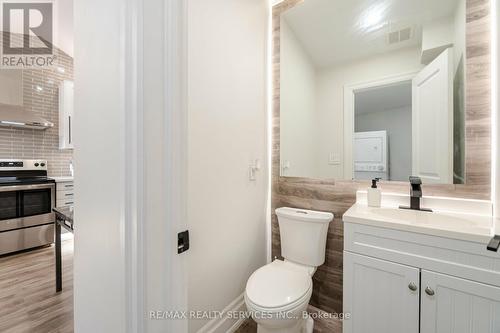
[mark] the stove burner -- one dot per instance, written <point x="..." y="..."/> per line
<point x="15" y="172"/>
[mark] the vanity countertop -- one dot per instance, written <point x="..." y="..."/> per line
<point x="468" y="227"/>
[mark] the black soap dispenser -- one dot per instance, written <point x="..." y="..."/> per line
<point x="374" y="195"/>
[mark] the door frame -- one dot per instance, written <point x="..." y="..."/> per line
<point x="349" y="95"/>
<point x="141" y="277"/>
<point x="176" y="134"/>
<point x="149" y="100"/>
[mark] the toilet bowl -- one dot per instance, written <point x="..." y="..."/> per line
<point x="277" y="294"/>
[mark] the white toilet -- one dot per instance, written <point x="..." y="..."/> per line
<point x="277" y="294"/>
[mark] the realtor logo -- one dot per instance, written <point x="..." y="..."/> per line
<point x="28" y="31"/>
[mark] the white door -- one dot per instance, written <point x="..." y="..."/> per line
<point x="381" y="296"/>
<point x="454" y="305"/>
<point x="432" y="121"/>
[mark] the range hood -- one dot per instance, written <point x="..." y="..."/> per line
<point x="16" y="116"/>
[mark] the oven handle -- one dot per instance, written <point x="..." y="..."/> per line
<point x="25" y="187"/>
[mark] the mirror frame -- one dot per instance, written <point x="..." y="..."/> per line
<point x="477" y="117"/>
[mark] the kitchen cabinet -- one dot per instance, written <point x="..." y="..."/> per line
<point x="66" y="114"/>
<point x="64" y="192"/>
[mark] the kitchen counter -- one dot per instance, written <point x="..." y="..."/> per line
<point x="62" y="179"/>
<point x="468" y="227"/>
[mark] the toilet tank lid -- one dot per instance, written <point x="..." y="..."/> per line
<point x="304" y="215"/>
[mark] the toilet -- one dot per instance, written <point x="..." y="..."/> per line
<point x="277" y="294"/>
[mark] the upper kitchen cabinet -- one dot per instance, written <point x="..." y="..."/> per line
<point x="66" y="107"/>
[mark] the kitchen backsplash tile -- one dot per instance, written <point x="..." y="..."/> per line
<point x="40" y="96"/>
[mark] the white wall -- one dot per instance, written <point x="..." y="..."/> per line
<point x="330" y="89"/>
<point x="63" y="37"/>
<point x="226" y="131"/>
<point x="298" y="138"/>
<point x="65" y="26"/>
<point x="459" y="33"/>
<point x="438" y="33"/>
<point x="397" y="123"/>
<point x="495" y="53"/>
<point x="99" y="156"/>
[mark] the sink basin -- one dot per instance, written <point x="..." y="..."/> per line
<point x="477" y="228"/>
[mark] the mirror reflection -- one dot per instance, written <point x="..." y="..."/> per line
<point x="373" y="89"/>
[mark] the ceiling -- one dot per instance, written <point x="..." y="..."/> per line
<point x="383" y="98"/>
<point x="336" y="31"/>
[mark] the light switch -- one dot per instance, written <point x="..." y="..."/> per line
<point x="253" y="168"/>
<point x="285" y="165"/>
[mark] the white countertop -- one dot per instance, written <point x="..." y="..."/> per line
<point x="468" y="227"/>
<point x="62" y="179"/>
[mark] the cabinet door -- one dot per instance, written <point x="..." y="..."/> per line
<point x="380" y="296"/>
<point x="66" y="105"/>
<point x="454" y="305"/>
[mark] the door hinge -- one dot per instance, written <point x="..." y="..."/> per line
<point x="183" y="241"/>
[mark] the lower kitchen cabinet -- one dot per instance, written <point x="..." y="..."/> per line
<point x="454" y="305"/>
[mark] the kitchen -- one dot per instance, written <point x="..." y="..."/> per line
<point x="36" y="176"/>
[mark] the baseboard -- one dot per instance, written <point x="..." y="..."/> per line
<point x="225" y="324"/>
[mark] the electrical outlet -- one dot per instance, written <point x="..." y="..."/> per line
<point x="334" y="158"/>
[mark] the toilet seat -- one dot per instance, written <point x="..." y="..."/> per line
<point x="278" y="286"/>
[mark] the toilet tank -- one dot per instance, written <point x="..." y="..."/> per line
<point x="303" y="235"/>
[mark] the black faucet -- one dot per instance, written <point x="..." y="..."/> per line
<point x="415" y="195"/>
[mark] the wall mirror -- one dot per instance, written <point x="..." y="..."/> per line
<point x="373" y="89"/>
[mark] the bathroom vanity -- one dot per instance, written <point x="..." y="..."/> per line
<point x="414" y="271"/>
<point x="336" y="126"/>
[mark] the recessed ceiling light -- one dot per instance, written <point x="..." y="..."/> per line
<point x="373" y="18"/>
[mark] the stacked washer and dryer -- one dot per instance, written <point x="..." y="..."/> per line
<point x="371" y="155"/>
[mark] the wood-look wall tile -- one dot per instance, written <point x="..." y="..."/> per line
<point x="337" y="196"/>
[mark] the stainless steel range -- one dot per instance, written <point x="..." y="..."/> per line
<point x="27" y="197"/>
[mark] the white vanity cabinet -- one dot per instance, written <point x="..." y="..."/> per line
<point x="376" y="289"/>
<point x="66" y="118"/>
<point x="400" y="281"/>
<point x="458" y="305"/>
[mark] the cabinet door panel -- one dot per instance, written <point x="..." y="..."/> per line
<point x="378" y="297"/>
<point x="458" y="305"/>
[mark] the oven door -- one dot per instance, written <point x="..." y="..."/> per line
<point x="24" y="206"/>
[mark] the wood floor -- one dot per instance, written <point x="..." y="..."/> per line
<point x="28" y="301"/>
<point x="320" y="325"/>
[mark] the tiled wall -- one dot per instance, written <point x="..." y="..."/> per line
<point x="337" y="196"/>
<point x="40" y="96"/>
